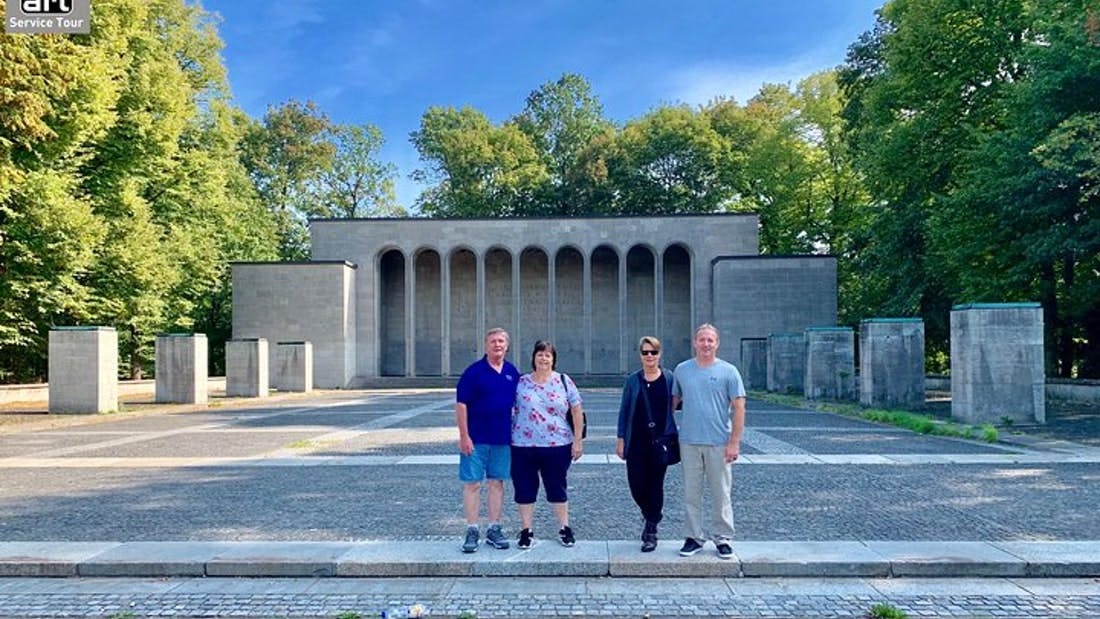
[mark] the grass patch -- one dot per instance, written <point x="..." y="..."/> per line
<point x="916" y="422"/>
<point x="886" y="611"/>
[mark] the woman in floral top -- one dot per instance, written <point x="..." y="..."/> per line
<point x="543" y="443"/>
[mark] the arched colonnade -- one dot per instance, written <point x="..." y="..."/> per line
<point x="434" y="307"/>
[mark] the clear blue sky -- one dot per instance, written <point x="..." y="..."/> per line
<point x="384" y="62"/>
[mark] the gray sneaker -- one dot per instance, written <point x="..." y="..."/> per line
<point x="472" y="539"/>
<point x="495" y="538"/>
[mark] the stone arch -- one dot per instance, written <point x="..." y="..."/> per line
<point x="428" y="310"/>
<point x="499" y="299"/>
<point x="534" y="300"/>
<point x="605" y="342"/>
<point x="641" y="293"/>
<point x="570" y="335"/>
<point x="464" y="332"/>
<point x="391" y="310"/>
<point x="678" y="304"/>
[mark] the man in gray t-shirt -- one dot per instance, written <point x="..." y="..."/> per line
<point x="713" y="399"/>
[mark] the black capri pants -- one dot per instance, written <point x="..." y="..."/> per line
<point x="551" y="463"/>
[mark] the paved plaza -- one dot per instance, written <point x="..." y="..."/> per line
<point x="348" y="501"/>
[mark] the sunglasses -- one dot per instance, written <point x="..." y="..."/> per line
<point x="650" y="353"/>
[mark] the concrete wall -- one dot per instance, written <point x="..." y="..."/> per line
<point x="830" y="363"/>
<point x="760" y="295"/>
<point x="83" y="370"/>
<point x="314" y="302"/>
<point x="786" y="362"/>
<point x="754" y="363"/>
<point x="181" y="366"/>
<point x="681" y="298"/>
<point x="891" y="362"/>
<point x="246" y="368"/>
<point x="997" y="363"/>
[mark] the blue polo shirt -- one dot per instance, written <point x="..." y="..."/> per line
<point x="489" y="397"/>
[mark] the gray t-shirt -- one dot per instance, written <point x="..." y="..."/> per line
<point x="706" y="394"/>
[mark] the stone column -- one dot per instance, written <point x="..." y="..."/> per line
<point x="246" y="368"/>
<point x="997" y="371"/>
<point x="891" y="363"/>
<point x="181" y="368"/>
<point x="83" y="370"/>
<point x="786" y="362"/>
<point x="445" y="314"/>
<point x="586" y="301"/>
<point x="479" y="261"/>
<point x="754" y="362"/>
<point x="294" y="366"/>
<point x="622" y="314"/>
<point x="410" y="316"/>
<point x="830" y="363"/>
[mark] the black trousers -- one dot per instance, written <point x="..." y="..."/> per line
<point x="646" y="477"/>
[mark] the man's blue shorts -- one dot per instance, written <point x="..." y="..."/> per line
<point x="486" y="462"/>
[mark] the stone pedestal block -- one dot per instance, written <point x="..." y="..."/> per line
<point x="786" y="362"/>
<point x="754" y="362"/>
<point x="83" y="370"/>
<point x="830" y="363"/>
<point x="997" y="370"/>
<point x="891" y="363"/>
<point x="181" y="368"/>
<point x="294" y="366"/>
<point x="246" y="369"/>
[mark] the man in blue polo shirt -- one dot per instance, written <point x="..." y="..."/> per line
<point x="483" y="412"/>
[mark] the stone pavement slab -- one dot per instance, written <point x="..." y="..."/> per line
<point x="1056" y="558"/>
<point x="947" y="559"/>
<point x="838" y="558"/>
<point x="545" y="558"/>
<point x="47" y="558"/>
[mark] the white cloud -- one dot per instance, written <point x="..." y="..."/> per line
<point x="702" y="83"/>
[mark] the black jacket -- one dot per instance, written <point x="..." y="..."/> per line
<point x="628" y="407"/>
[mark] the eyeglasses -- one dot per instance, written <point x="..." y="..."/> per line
<point x="650" y="353"/>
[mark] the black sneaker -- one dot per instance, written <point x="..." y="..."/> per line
<point x="725" y="551"/>
<point x="526" y="539"/>
<point x="649" y="542"/>
<point x="690" y="547"/>
<point x="566" y="536"/>
<point x="472" y="539"/>
<point x="495" y="538"/>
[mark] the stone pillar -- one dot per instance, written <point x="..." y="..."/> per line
<point x="891" y="363"/>
<point x="786" y="364"/>
<point x="294" y="366"/>
<point x="624" y="346"/>
<point x="246" y="368"/>
<point x="830" y="363"/>
<point x="181" y="368"/>
<point x="586" y="276"/>
<point x="83" y="370"/>
<point x="997" y="370"/>
<point x="410" y="319"/>
<point x="754" y="362"/>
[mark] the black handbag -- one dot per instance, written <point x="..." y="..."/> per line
<point x="569" y="414"/>
<point x="666" y="447"/>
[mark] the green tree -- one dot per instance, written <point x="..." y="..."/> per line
<point x="562" y="118"/>
<point x="285" y="156"/>
<point x="357" y="183"/>
<point x="478" y="170"/>
<point x="669" y="161"/>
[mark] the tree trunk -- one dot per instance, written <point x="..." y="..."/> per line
<point x="1066" y="349"/>
<point x="1048" y="297"/>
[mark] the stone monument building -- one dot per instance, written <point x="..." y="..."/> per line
<point x="412" y="297"/>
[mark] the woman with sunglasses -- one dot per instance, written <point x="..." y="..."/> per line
<point x="645" y="414"/>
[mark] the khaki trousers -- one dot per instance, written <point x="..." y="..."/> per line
<point x="706" y="464"/>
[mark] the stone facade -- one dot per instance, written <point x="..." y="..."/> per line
<point x="413" y="297"/>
